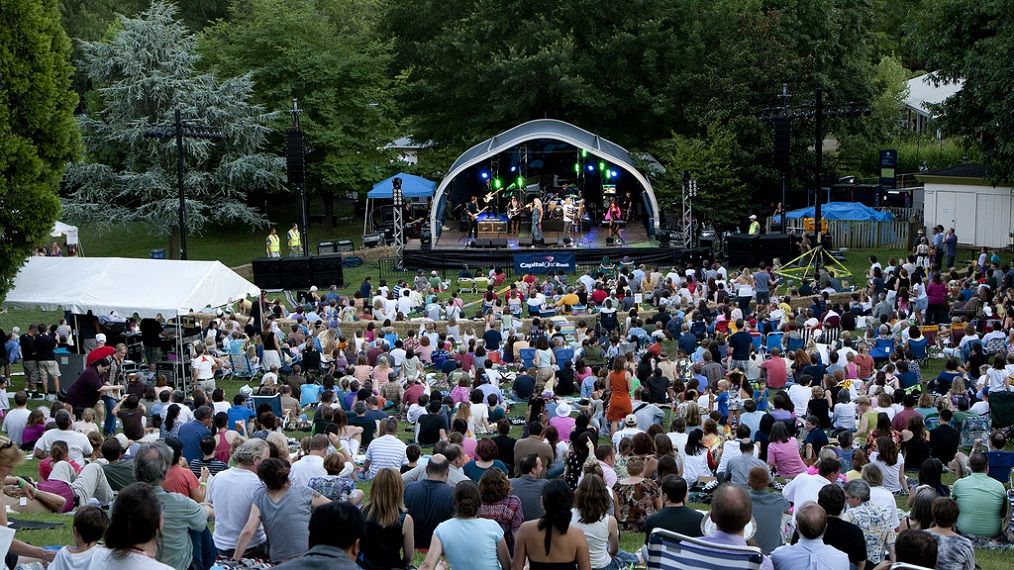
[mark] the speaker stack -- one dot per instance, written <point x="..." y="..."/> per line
<point x="294" y="156"/>
<point x="742" y="250"/>
<point x="771" y="246"/>
<point x="292" y="273"/>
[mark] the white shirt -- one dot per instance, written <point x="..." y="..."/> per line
<point x="800" y="396"/>
<point x="622" y="433"/>
<point x="103" y="559"/>
<point x="804" y="487"/>
<point x="15" y="422"/>
<point x="308" y="467"/>
<point x="203" y="366"/>
<point x="67" y="560"/>
<point x="730" y="451"/>
<point x="385" y="451"/>
<point x="232" y="493"/>
<point x="404" y="305"/>
<point x="78" y="446"/>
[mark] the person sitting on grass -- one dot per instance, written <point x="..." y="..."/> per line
<point x="90" y="524"/>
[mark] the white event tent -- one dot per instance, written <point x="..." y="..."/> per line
<point x="146" y="287"/>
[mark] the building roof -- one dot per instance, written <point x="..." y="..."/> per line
<point x="923" y="92"/>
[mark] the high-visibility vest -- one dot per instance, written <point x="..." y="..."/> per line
<point x="274" y="244"/>
<point x="755" y="227"/>
<point x="294" y="238"/>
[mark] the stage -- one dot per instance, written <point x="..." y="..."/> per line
<point x="454" y="249"/>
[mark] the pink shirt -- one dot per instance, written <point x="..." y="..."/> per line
<point x="785" y="457"/>
<point x="563" y="425"/>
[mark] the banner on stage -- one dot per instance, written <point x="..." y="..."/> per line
<point x="544" y="262"/>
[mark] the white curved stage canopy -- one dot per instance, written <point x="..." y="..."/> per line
<point x="550" y="129"/>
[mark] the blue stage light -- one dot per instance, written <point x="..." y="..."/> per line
<point x="514" y="169"/>
<point x="485" y="175"/>
<point x="591" y="168"/>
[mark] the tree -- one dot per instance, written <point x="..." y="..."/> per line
<point x="328" y="56"/>
<point x="973" y="41"/>
<point x="143" y="72"/>
<point x="37" y="130"/>
<point x="722" y="197"/>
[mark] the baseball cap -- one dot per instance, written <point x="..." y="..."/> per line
<point x="100" y="338"/>
<point x="630" y="420"/>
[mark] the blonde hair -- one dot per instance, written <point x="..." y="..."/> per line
<point x="817" y="392"/>
<point x="88" y="415"/>
<point x="10" y="455"/>
<point x="386" y="502"/>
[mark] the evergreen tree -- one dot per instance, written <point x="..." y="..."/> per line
<point x="143" y="73"/>
<point x="37" y="130"/>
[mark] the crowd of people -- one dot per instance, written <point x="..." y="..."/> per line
<point x="810" y="409"/>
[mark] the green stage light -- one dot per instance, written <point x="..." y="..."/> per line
<point x="577" y="167"/>
<point x="602" y="166"/>
<point x="584" y="153"/>
<point x="521" y="182"/>
<point x="497" y="183"/>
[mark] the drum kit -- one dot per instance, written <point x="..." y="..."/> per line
<point x="554" y="203"/>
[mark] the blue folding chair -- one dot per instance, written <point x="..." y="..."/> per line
<point x="758" y="342"/>
<point x="527" y="357"/>
<point x="773" y="340"/>
<point x="563" y="355"/>
<point x="883" y="348"/>
<point x="918" y="348"/>
<point x="275" y="401"/>
<point x="795" y="344"/>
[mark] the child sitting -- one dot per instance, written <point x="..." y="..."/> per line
<point x="89" y="525"/>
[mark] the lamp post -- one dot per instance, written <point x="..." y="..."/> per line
<point x="179" y="129"/>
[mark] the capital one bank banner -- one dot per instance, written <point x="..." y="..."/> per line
<point x="544" y="262"/>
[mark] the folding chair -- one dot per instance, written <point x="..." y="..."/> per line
<point x="1001" y="411"/>
<point x="527" y="357"/>
<point x="882" y="349"/>
<point x="758" y="342"/>
<point x="563" y="355"/>
<point x="773" y="340"/>
<point x="795" y="344"/>
<point x="275" y="401"/>
<point x="480" y="284"/>
<point x="241" y="366"/>
<point x="919" y="351"/>
<point x="466" y="285"/>
<point x="668" y="550"/>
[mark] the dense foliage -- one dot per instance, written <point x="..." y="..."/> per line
<point x="37" y="130"/>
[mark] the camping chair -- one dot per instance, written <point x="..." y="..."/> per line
<point x="919" y="351"/>
<point x="481" y="284"/>
<point x="466" y="285"/>
<point x="241" y="366"/>
<point x="275" y="401"/>
<point x="795" y="344"/>
<point x="369" y="429"/>
<point x="773" y="340"/>
<point x="668" y="550"/>
<point x="830" y="336"/>
<point x="758" y="342"/>
<point x="527" y="357"/>
<point x="883" y="348"/>
<point x="1001" y="411"/>
<point x="608" y="322"/>
<point x="975" y="428"/>
<point x="563" y="355"/>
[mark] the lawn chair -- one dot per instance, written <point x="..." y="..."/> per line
<point x="1001" y="411"/>
<point x="527" y="357"/>
<point x="466" y="285"/>
<point x="882" y="349"/>
<point x="975" y="428"/>
<point x="275" y="401"/>
<point x="773" y="340"/>
<point x="481" y="284"/>
<point x="919" y="352"/>
<point x="241" y="367"/>
<point x="563" y="355"/>
<point x="672" y="551"/>
<point x="608" y="322"/>
<point x="795" y="344"/>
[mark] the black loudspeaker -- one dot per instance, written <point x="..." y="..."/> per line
<point x="481" y="243"/>
<point x="299" y="264"/>
<point x="770" y="246"/>
<point x="742" y="250"/>
<point x="326" y="248"/>
<point x="291" y="281"/>
<point x="425" y="238"/>
<point x="498" y="243"/>
<point x="323" y="263"/>
<point x="266" y="272"/>
<point x="525" y="242"/>
<point x="325" y="279"/>
<point x="294" y="156"/>
<point x="376" y="239"/>
<point x="783" y="142"/>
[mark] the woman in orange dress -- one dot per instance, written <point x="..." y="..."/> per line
<point x="620" y="384"/>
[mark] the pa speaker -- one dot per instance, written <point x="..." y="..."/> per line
<point x="376" y="239"/>
<point x="770" y="246"/>
<point x="783" y="142"/>
<point x="266" y="273"/>
<point x="294" y="156"/>
<point x="326" y="247"/>
<point x="291" y="281"/>
<point x="326" y="279"/>
<point x="323" y="263"/>
<point x="295" y="265"/>
<point x="481" y="243"/>
<point x="498" y="243"/>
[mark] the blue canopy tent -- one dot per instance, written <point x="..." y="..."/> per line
<point x="853" y="211"/>
<point x="412" y="186"/>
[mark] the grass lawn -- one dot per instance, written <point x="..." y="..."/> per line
<point x="238" y="246"/>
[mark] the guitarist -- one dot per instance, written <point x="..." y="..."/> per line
<point x="473" y="217"/>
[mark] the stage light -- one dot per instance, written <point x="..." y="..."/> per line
<point x="602" y="166"/>
<point x="514" y="169"/>
<point x="497" y="183"/>
<point x="577" y="167"/>
<point x="584" y="153"/>
<point x="613" y="173"/>
<point x="521" y="182"/>
<point x="609" y="174"/>
<point x="485" y="175"/>
<point x="591" y="168"/>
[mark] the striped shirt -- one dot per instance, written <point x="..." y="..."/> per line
<point x="385" y="451"/>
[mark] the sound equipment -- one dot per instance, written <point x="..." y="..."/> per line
<point x="297" y="264"/>
<point x="783" y="142"/>
<point x="525" y="242"/>
<point x="344" y="245"/>
<point x="291" y="281"/>
<point x="326" y="247"/>
<point x="742" y="250"/>
<point x="481" y="243"/>
<point x="498" y="243"/>
<point x="770" y="246"/>
<point x="425" y="238"/>
<point x="327" y="271"/>
<point x="376" y="239"/>
<point x="266" y="272"/>
<point x="294" y="156"/>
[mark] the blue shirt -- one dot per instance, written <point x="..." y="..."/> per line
<point x="240" y="414"/>
<point x="721" y="538"/>
<point x="190" y="435"/>
<point x="809" y="554"/>
<point x="587" y="386"/>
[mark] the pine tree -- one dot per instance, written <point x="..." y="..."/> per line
<point x="37" y="130"/>
<point x="143" y="73"/>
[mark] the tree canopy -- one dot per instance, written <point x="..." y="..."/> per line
<point x="37" y="130"/>
<point x="143" y="73"/>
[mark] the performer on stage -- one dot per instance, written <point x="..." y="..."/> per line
<point x="473" y="217"/>
<point x="614" y="215"/>
<point x="514" y="210"/>
<point x="569" y="216"/>
<point x="537" y="221"/>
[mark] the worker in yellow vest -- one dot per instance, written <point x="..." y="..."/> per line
<point x="754" y="225"/>
<point x="295" y="245"/>
<point x="274" y="244"/>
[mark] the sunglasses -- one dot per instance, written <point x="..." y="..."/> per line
<point x="10" y="443"/>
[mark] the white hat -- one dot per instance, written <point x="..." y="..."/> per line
<point x="100" y="338"/>
<point x="245" y="390"/>
<point x="753" y="217"/>
<point x="563" y="409"/>
<point x="630" y="420"/>
<point x="313" y="289"/>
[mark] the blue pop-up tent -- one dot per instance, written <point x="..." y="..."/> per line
<point x="412" y="186"/>
<point x="853" y="211"/>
